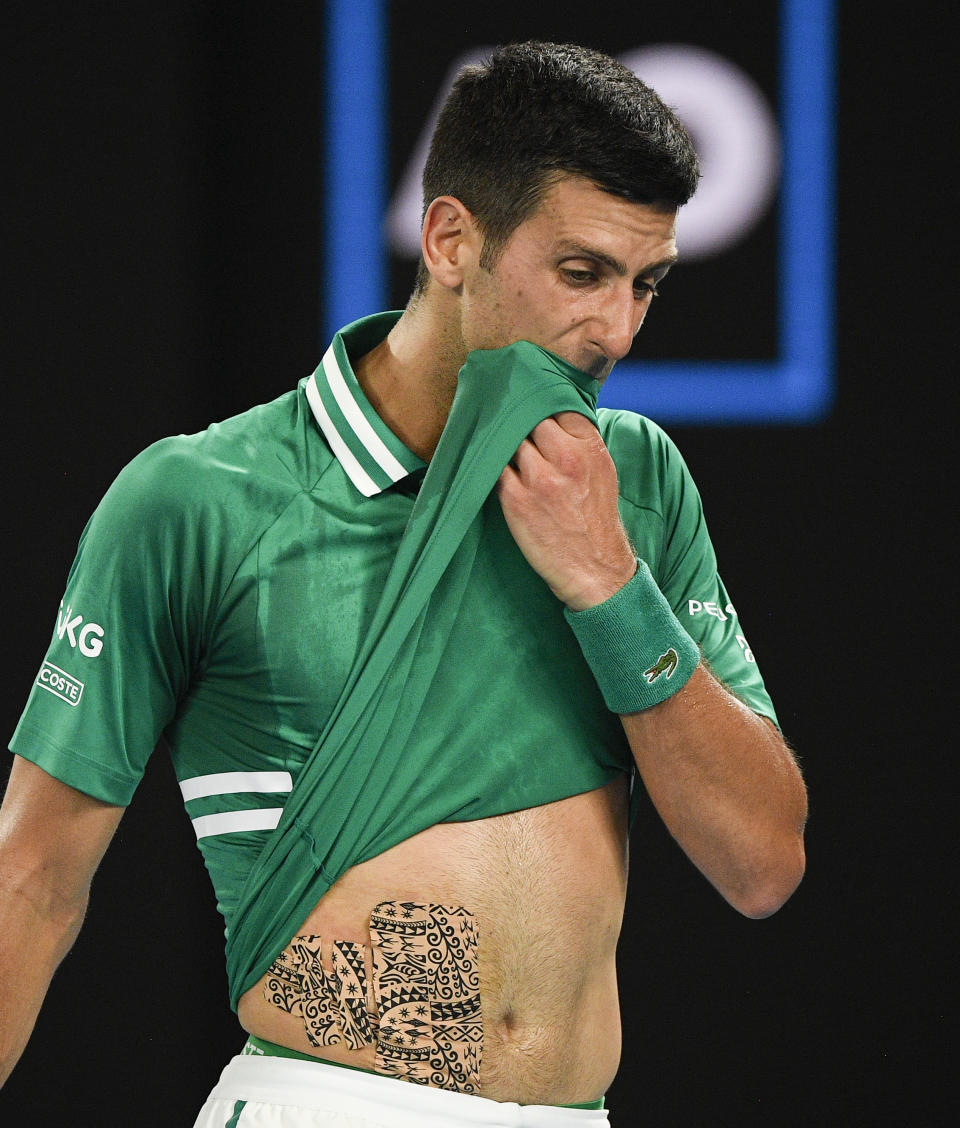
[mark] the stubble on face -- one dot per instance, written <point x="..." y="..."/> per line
<point x="525" y="294"/>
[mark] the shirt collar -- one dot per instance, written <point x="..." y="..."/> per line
<point x="371" y="455"/>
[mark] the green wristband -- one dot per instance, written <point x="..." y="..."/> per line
<point x="635" y="646"/>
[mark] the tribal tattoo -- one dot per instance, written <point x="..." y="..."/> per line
<point x="427" y="984"/>
<point x="333" y="1007"/>
<point x="425" y="1019"/>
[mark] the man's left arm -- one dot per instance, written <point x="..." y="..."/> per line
<point x="722" y="778"/>
<point x="728" y="789"/>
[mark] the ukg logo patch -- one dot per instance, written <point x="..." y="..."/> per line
<point x="87" y="638"/>
<point x="60" y="683"/>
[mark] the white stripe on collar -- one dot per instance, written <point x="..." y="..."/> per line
<point x="358" y="421"/>
<point x="355" y="472"/>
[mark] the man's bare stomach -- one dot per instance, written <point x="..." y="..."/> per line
<point x="517" y="919"/>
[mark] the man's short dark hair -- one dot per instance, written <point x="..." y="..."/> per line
<point x="535" y="112"/>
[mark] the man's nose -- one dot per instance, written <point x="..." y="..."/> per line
<point x="619" y="322"/>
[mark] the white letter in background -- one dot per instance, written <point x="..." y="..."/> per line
<point x="736" y="136"/>
<point x="728" y="117"/>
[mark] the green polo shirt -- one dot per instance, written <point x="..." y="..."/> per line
<point x="224" y="585"/>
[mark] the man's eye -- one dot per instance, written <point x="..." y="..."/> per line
<point x="646" y="289"/>
<point x="579" y="276"/>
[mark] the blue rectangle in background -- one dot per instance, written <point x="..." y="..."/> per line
<point x="797" y="387"/>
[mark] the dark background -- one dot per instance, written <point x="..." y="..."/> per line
<point x="162" y="269"/>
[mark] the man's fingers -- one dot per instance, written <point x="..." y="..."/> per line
<point x="575" y="424"/>
<point x="526" y="457"/>
<point x="550" y="435"/>
<point x="509" y="485"/>
<point x="550" y="441"/>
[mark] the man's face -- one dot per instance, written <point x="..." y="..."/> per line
<point x="577" y="277"/>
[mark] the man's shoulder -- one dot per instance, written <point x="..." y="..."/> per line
<point x="232" y="479"/>
<point x="649" y="465"/>
<point x="265" y="451"/>
<point x="628" y="429"/>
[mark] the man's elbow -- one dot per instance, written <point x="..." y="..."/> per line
<point x="774" y="882"/>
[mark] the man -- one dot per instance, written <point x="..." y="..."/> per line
<point x="405" y="715"/>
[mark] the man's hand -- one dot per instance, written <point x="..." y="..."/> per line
<point x="559" y="498"/>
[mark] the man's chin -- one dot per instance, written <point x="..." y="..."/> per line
<point x="599" y="369"/>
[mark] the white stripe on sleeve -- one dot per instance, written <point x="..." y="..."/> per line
<point x="230" y="783"/>
<point x="233" y="821"/>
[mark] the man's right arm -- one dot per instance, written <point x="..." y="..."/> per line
<point x="52" y="838"/>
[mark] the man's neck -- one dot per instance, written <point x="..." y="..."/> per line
<point x="411" y="376"/>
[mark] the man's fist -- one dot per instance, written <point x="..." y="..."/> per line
<point x="559" y="498"/>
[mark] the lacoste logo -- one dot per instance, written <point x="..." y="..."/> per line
<point x="60" y="683"/>
<point x="665" y="664"/>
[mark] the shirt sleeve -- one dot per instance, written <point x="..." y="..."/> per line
<point x="662" y="510"/>
<point x="127" y="633"/>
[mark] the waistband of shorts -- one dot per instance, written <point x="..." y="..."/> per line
<point x="317" y="1085"/>
<point x="261" y="1046"/>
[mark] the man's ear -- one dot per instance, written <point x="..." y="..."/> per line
<point x="449" y="240"/>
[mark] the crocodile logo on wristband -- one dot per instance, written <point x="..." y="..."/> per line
<point x="665" y="664"/>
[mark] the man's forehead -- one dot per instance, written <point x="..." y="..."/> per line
<point x="575" y="197"/>
<point x="574" y="212"/>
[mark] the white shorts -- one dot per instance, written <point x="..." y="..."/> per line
<point x="276" y="1092"/>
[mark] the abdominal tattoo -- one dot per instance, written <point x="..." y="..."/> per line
<point x="425" y="1019"/>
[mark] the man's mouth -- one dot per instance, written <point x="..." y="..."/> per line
<point x="599" y="368"/>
